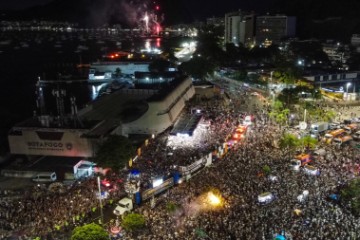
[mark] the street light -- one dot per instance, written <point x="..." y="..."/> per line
<point x="347" y="91"/>
<point x="347" y="87"/>
<point x="100" y="202"/>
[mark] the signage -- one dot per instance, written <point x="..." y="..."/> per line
<point x="47" y="145"/>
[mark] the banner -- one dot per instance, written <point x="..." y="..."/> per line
<point x="153" y="191"/>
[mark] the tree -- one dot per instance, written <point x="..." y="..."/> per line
<point x="351" y="194"/>
<point x="289" y="96"/>
<point x="266" y="169"/>
<point x="198" y="67"/>
<point x="171" y="207"/>
<point x="133" y="222"/>
<point x="90" y="231"/>
<point x="210" y="44"/>
<point x="308" y="142"/>
<point x="115" y="152"/>
<point x="289" y="142"/>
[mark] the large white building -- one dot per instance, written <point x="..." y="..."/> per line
<point x="239" y="28"/>
<point x="124" y="112"/>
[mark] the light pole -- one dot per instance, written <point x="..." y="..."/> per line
<point x="100" y="202"/>
<point x="271" y="92"/>
<point x="347" y="90"/>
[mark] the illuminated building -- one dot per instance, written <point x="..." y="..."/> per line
<point x="271" y="29"/>
<point x="239" y="28"/>
<point x="124" y="112"/>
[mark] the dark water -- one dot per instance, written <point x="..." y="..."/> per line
<point x="26" y="56"/>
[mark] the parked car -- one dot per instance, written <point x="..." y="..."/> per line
<point x="311" y="170"/>
<point x="334" y="125"/>
<point x="266" y="197"/>
<point x="320" y="152"/>
<point x="295" y="164"/>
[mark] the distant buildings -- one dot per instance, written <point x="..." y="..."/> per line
<point x="355" y="42"/>
<point x="215" y="21"/>
<point x="272" y="29"/>
<point x="248" y="29"/>
<point x="239" y="28"/>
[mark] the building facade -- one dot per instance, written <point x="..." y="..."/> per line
<point x="355" y="42"/>
<point x="272" y="29"/>
<point x="239" y="28"/>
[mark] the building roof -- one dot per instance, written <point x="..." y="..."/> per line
<point x="186" y="124"/>
<point x="124" y="105"/>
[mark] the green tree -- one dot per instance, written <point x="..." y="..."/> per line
<point x="289" y="96"/>
<point x="115" y="152"/>
<point x="308" y="142"/>
<point x="289" y="142"/>
<point x="198" y="67"/>
<point x="133" y="221"/>
<point x="351" y="194"/>
<point x="171" y="207"/>
<point x="209" y="45"/>
<point x="266" y="169"/>
<point x="281" y="117"/>
<point x="90" y="231"/>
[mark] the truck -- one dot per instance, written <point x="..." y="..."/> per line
<point x="124" y="205"/>
<point x="351" y="128"/>
<point x="333" y="134"/>
<point x="319" y="127"/>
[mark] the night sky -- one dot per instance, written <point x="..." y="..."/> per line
<point x="21" y="4"/>
<point x="193" y="7"/>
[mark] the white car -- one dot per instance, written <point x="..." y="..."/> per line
<point x="266" y="197"/>
<point x="311" y="170"/>
<point x="303" y="196"/>
<point x="295" y="164"/>
<point x="247" y="121"/>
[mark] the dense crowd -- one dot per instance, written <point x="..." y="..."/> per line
<point x="238" y="176"/>
<point x="48" y="214"/>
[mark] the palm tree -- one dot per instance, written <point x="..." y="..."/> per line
<point x="289" y="142"/>
<point x="281" y="117"/>
<point x="308" y="142"/>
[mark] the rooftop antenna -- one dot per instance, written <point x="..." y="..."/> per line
<point x="74" y="111"/>
<point x="40" y="101"/>
<point x="59" y="94"/>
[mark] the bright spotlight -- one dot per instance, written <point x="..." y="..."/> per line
<point x="213" y="199"/>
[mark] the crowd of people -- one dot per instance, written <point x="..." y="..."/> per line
<point x="51" y="214"/>
<point x="237" y="178"/>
